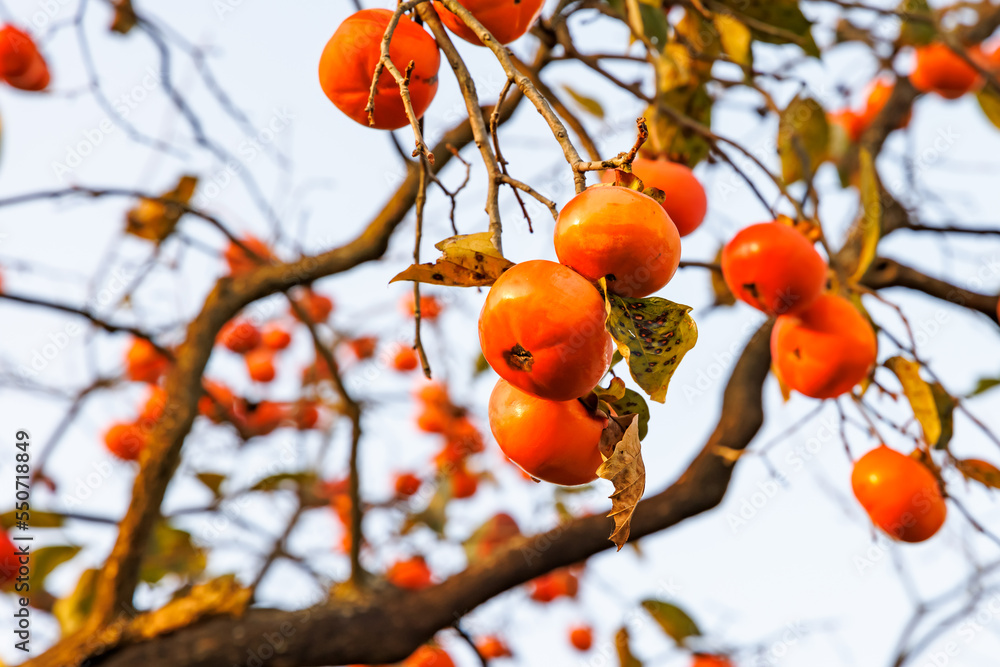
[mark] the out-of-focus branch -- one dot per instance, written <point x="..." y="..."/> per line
<point x="392" y="623"/>
<point x="886" y="272"/>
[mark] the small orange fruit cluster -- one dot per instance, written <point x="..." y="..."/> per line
<point x="462" y="439"/>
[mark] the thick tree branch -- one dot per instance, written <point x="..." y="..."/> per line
<point x="886" y="272"/>
<point x="391" y="624"/>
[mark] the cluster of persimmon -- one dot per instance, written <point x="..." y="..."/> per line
<point x="822" y="346"/>
<point x="542" y="328"/>
<point x="22" y="65"/>
<point x="349" y="60"/>
<point x="461" y="439"/>
<point x="937" y="69"/>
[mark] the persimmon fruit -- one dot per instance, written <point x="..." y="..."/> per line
<point x="363" y="347"/>
<point x="542" y="329"/>
<point x="21" y="64"/>
<point x="940" y="70"/>
<point x="824" y="350"/>
<point x="430" y="307"/>
<point x="555" y="441"/>
<point x="260" y="364"/>
<point x="240" y="336"/>
<point x="463" y="483"/>
<point x="412" y="574"/>
<point x="900" y="494"/>
<point x="9" y="559"/>
<point x="773" y="267"/>
<point x="581" y="637"/>
<point x="492" y="647"/>
<point x="621" y="234"/>
<point x="407" y="484"/>
<point x="348" y="64"/>
<point x="429" y="656"/>
<point x="707" y="660"/>
<point x="507" y="20"/>
<point x="240" y="262"/>
<point x="144" y="363"/>
<point x="405" y="359"/>
<point x="275" y="337"/>
<point x="126" y="441"/>
<point x="317" y="307"/>
<point x="685" y="203"/>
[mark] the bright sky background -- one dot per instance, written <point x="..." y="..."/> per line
<point x="786" y="583"/>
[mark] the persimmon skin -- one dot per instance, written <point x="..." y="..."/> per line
<point x="773" y="268"/>
<point x="706" y="660"/>
<point x="507" y="20"/>
<point x="900" y="494"/>
<point x="825" y="350"/>
<point x="940" y="70"/>
<point x="685" y="203"/>
<point x="22" y="66"/>
<point x="618" y="233"/>
<point x="555" y="441"/>
<point x="542" y="329"/>
<point x="350" y="57"/>
<point x="581" y="637"/>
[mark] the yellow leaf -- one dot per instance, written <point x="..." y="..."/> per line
<point x="786" y="392"/>
<point x="155" y="219"/>
<point x="669" y="139"/>
<point x="588" y="104"/>
<point x="125" y="18"/>
<point x="989" y="102"/>
<point x="72" y="611"/>
<point x="867" y="230"/>
<point x="623" y="466"/>
<point x="735" y="38"/>
<point x="223" y="595"/>
<point x="624" y="651"/>
<point x="920" y="395"/>
<point x="980" y="471"/>
<point x="723" y="295"/>
<point x="803" y="138"/>
<point x="467" y="260"/>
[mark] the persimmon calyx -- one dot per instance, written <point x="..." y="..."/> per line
<point x="519" y="358"/>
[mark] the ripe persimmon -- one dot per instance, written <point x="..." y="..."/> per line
<point x="542" y="329"/>
<point x="239" y="336"/>
<point x="505" y="19"/>
<point x="144" y="363"/>
<point x="430" y="307"/>
<point x="407" y="484"/>
<point x="707" y="660"/>
<point x="824" y="350"/>
<point x="618" y="233"/>
<point x="879" y="93"/>
<point x="260" y="364"/>
<point x="363" y="347"/>
<point x="555" y="441"/>
<point x="317" y="307"/>
<point x="405" y="359"/>
<point x="463" y="483"/>
<point x="305" y="414"/>
<point x="558" y="583"/>
<point x="126" y="440"/>
<point x="240" y="261"/>
<point x="492" y="647"/>
<point x="412" y="574"/>
<point x="266" y="417"/>
<point x="900" y="494"/>
<point x="851" y="122"/>
<point x="350" y="57"/>
<point x="940" y="70"/>
<point x="275" y="337"/>
<point x="220" y="404"/>
<point x="773" y="267"/>
<point x="9" y="558"/>
<point x="581" y="637"/>
<point x="21" y="64"/>
<point x="685" y="201"/>
<point x="429" y="656"/>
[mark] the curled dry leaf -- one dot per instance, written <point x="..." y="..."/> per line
<point x="155" y="219"/>
<point x="920" y="395"/>
<point x="623" y="466"/>
<point x="467" y="260"/>
<point x="980" y="471"/>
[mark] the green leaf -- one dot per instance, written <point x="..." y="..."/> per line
<point x="653" y="335"/>
<point x="803" y="138"/>
<point x="624" y="650"/>
<point x="916" y="32"/>
<point x="980" y="471"/>
<point x="989" y="102"/>
<point x="673" y="141"/>
<point x="46" y="559"/>
<point x="171" y="551"/>
<point x="672" y="619"/>
<point x="945" y="405"/>
<point x="654" y="22"/>
<point x="736" y="39"/>
<point x="588" y="104"/>
<point x="919" y="393"/>
<point x="467" y="260"/>
<point x="867" y="230"/>
<point x="784" y="22"/>
<point x="984" y="385"/>
<point x="39" y="519"/>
